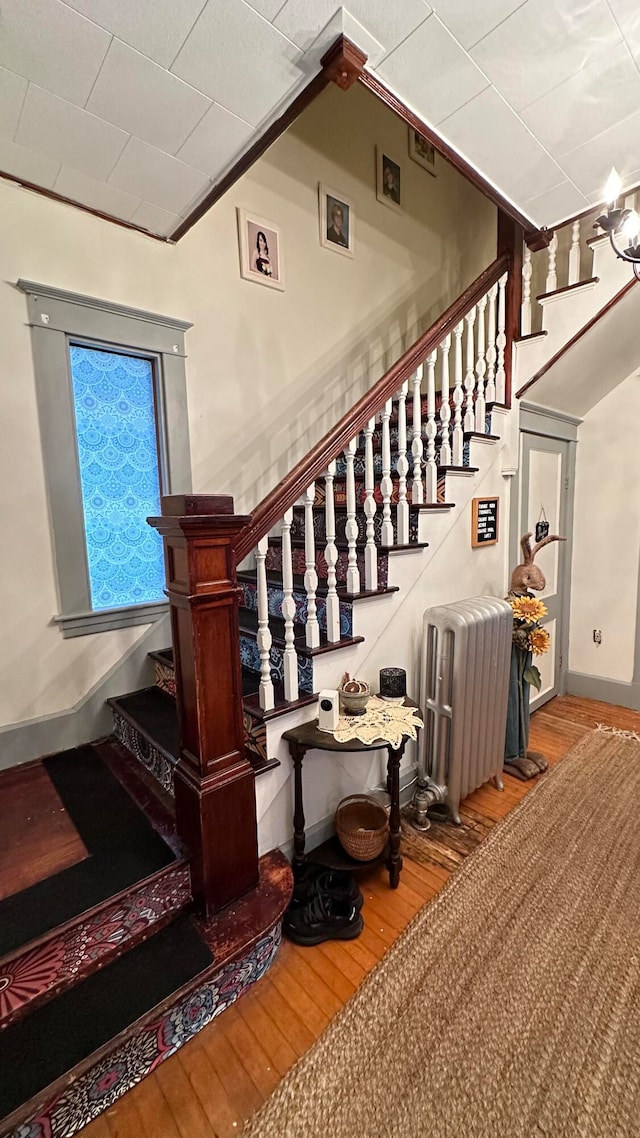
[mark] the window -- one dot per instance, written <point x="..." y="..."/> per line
<point x="113" y="420"/>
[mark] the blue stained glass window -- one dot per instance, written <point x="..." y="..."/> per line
<point x="119" y="475"/>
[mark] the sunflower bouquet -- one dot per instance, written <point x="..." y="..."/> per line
<point x="528" y="634"/>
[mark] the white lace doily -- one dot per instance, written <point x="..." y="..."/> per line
<point x="382" y="722"/>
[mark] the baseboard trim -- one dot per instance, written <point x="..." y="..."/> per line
<point x="599" y="687"/>
<point x="90" y="718"/>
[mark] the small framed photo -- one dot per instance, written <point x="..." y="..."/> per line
<point x="422" y="151"/>
<point x="337" y="221"/>
<point x="260" y="250"/>
<point x="388" y="180"/>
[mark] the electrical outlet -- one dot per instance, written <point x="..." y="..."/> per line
<point x="597" y="636"/>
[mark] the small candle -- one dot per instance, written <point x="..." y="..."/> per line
<point x="393" y="683"/>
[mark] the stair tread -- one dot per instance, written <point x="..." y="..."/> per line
<point x="275" y="578"/>
<point x="249" y="625"/>
<point x="458" y="469"/>
<point x="153" y="713"/>
<point x="298" y="543"/>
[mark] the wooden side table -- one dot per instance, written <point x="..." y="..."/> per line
<point x="308" y="737"/>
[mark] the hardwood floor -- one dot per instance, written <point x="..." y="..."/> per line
<point x="37" y="836"/>
<point x="214" y="1083"/>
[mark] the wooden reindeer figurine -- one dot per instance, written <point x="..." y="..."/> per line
<point x="519" y="761"/>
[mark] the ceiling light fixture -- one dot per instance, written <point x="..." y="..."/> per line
<point x="619" y="222"/>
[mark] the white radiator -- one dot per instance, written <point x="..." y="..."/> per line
<point x="466" y="656"/>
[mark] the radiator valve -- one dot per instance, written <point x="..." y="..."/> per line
<point x="426" y="794"/>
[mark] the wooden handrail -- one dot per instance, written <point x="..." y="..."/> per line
<point x="286" y="493"/>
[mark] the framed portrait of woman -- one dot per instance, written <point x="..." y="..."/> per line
<point x="388" y="180"/>
<point x="260" y="250"/>
<point x="337" y="221"/>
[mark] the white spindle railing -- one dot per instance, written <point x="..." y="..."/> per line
<point x="481" y="366"/>
<point x="551" y="282"/>
<point x="264" y="639"/>
<point x="431" y="470"/>
<point x="351" y="527"/>
<point x="477" y="378"/>
<point x="527" y="272"/>
<point x="470" y="374"/>
<point x="445" y="407"/>
<point x="417" y="489"/>
<point x="331" y="557"/>
<point x="370" y="550"/>
<point x="402" y="467"/>
<point x="501" y="341"/>
<point x="492" y="354"/>
<point x="312" y="629"/>
<point x="289" y="612"/>
<point x="457" y="449"/>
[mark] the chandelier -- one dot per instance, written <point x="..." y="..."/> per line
<point x="620" y="224"/>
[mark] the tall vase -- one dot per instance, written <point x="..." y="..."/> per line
<point x="517" y="738"/>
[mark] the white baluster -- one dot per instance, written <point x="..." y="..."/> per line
<point x="402" y="467"/>
<point x="351" y="527"/>
<point x="458" y="396"/>
<point x="481" y="366"/>
<point x="370" y="551"/>
<point x="312" y="629"/>
<point x="431" y="470"/>
<point x="470" y="376"/>
<point x="417" y="489"/>
<point x="386" y="485"/>
<point x="445" y="406"/>
<point x="574" y="254"/>
<point x="289" y="612"/>
<point x="263" y="639"/>
<point x="490" y="388"/>
<point x="527" y="271"/>
<point x="331" y="558"/>
<point x="551" y="282"/>
<point x="501" y="340"/>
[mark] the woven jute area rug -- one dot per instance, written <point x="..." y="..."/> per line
<point x="511" y="1004"/>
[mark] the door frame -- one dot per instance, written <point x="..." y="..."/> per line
<point x="560" y="427"/>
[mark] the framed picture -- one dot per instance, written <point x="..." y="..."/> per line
<point x="260" y="250"/>
<point x="337" y="221"/>
<point x="388" y="180"/>
<point x="422" y="152"/>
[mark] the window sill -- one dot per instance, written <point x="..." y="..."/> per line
<point x="106" y="620"/>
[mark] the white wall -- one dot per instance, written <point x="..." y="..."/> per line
<point x="606" y="537"/>
<point x="267" y="372"/>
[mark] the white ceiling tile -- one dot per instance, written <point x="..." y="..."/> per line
<point x="239" y="60"/>
<point x="359" y="35"/>
<point x="156" y="177"/>
<point x="555" y="204"/>
<point x="68" y="134"/>
<point x="542" y="44"/>
<point x="602" y="93"/>
<point x="48" y="43"/>
<point x="134" y="93"/>
<point x="432" y="71"/>
<point x="156" y="220"/>
<point x="156" y="28"/>
<point x="216" y="141"/>
<point x="589" y="165"/>
<point x="497" y="142"/>
<point x="12" y="92"/>
<point x="303" y="20"/>
<point x="469" y="22"/>
<point x="627" y="13"/>
<point x="26" y="164"/>
<point x="98" y="195"/>
<point x="266" y="8"/>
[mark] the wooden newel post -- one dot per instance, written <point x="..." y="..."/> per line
<point x="214" y="782"/>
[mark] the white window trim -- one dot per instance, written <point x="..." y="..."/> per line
<point x="55" y="318"/>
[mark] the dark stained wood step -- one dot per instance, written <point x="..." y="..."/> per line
<point x="249" y="627"/>
<point x="275" y="579"/>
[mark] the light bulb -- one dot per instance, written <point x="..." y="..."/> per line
<point x="613" y="186"/>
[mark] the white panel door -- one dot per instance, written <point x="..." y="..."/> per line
<point x="544" y="486"/>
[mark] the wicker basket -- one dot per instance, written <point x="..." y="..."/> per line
<point x="362" y="827"/>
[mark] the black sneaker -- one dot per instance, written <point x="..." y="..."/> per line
<point x="324" y="918"/>
<point x="317" y="880"/>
